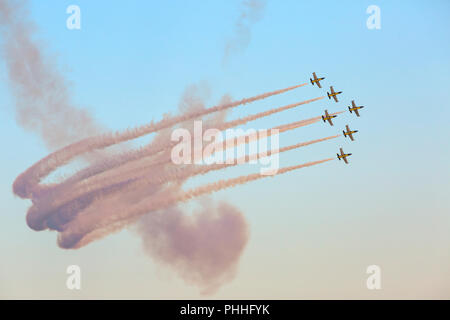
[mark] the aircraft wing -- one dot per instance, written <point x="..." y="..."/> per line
<point x="335" y="98"/>
<point x="356" y="112"/>
<point x="315" y="79"/>
<point x="329" y="120"/>
<point x="331" y="89"/>
<point x="342" y="151"/>
<point x="351" y="136"/>
<point x="353" y="104"/>
<point x="347" y="128"/>
<point x="345" y="160"/>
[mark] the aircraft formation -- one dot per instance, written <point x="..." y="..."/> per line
<point x="328" y="117"/>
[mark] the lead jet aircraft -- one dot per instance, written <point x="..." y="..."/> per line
<point x="343" y="155"/>
<point x="333" y="94"/>
<point x="355" y="108"/>
<point x="328" y="117"/>
<point x="316" y="80"/>
<point x="349" y="132"/>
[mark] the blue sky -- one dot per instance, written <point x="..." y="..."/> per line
<point x="130" y="63"/>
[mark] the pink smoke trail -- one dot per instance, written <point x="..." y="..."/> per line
<point x="162" y="145"/>
<point x="142" y="178"/>
<point x="41" y="95"/>
<point x="23" y="186"/>
<point x="85" y="230"/>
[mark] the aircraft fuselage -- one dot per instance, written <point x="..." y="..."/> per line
<point x="328" y="118"/>
<point x="345" y="155"/>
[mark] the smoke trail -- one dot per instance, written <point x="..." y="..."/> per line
<point x="223" y="184"/>
<point x="217" y="147"/>
<point x="42" y="101"/>
<point x="46" y="204"/>
<point x="220" y="146"/>
<point x="138" y="170"/>
<point x="142" y="177"/>
<point x="251" y="13"/>
<point x="23" y="188"/>
<point x="260" y="115"/>
<point x="302" y="123"/>
<point x="163" y="145"/>
<point x="110" y="204"/>
<point x="182" y="174"/>
<point x="95" y="225"/>
<point x="101" y="185"/>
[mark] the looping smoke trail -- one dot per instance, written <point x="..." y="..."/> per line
<point x="163" y="145"/>
<point x="62" y="203"/>
<point x="50" y="203"/>
<point x="24" y="189"/>
<point x="78" y="237"/>
<point x="120" y="160"/>
<point x="142" y="177"/>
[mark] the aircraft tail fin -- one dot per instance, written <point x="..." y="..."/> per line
<point x="338" y="156"/>
<point x="311" y="81"/>
<point x="328" y="95"/>
<point x="344" y="133"/>
<point x="350" y="109"/>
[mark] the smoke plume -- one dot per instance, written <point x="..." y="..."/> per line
<point x="41" y="96"/>
<point x="204" y="248"/>
<point x="252" y="12"/>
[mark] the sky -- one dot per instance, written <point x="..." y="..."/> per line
<point x="313" y="232"/>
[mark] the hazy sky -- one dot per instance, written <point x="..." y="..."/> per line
<point x="313" y="231"/>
